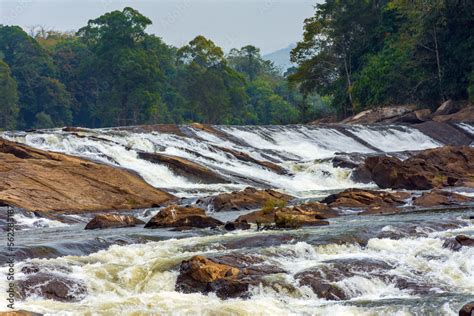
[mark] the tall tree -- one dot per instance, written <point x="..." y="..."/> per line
<point x="39" y="89"/>
<point x="8" y="98"/>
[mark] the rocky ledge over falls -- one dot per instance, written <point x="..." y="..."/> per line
<point x="428" y="169"/>
<point x="42" y="181"/>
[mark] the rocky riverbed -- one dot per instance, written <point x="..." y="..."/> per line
<point x="202" y="220"/>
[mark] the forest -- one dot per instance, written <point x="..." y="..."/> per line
<point x="354" y="55"/>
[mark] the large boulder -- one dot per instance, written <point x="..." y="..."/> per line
<point x="467" y="310"/>
<point x="380" y="114"/>
<point x="37" y="180"/>
<point x="228" y="276"/>
<point x="458" y="242"/>
<point x="309" y="214"/>
<point x="448" y="107"/>
<point x="184" y="168"/>
<point x="182" y="217"/>
<point x="369" y="201"/>
<point x="432" y="168"/>
<point x="439" y="197"/>
<point x="465" y="115"/>
<point x="248" y="199"/>
<point x="58" y="287"/>
<point x="113" y="221"/>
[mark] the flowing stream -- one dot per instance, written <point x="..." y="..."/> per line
<point x="405" y="269"/>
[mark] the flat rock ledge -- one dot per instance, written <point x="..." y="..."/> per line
<point x="37" y="180"/>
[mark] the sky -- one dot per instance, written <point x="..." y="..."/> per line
<point x="267" y="24"/>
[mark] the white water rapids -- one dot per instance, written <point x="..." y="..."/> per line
<point x="301" y="150"/>
<point x="139" y="278"/>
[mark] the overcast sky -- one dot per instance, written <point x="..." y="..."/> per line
<point x="268" y="24"/>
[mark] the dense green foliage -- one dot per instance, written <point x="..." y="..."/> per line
<point x="366" y="53"/>
<point x="112" y="72"/>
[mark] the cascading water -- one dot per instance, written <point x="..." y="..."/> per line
<point x="392" y="265"/>
<point x="303" y="151"/>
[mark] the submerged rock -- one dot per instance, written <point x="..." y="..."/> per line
<point x="37" y="180"/>
<point x="113" y="221"/>
<point x="183" y="217"/>
<point x="248" y="199"/>
<point x="467" y="310"/>
<point x="458" y="242"/>
<point x="56" y="287"/>
<point x="432" y="168"/>
<point x="439" y="197"/>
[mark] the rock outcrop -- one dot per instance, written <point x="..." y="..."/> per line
<point x="247" y="199"/>
<point x="58" y="287"/>
<point x="102" y="221"/>
<point x="182" y="217"/>
<point x="369" y="201"/>
<point x="432" y="168"/>
<point x="310" y="214"/>
<point x="467" y="310"/>
<point x="458" y="242"/>
<point x="184" y="168"/>
<point x="37" y="180"/>
<point x="440" y="198"/>
<point x="228" y="276"/>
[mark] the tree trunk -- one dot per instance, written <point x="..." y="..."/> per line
<point x="438" y="64"/>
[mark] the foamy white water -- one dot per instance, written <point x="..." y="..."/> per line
<point x="297" y="149"/>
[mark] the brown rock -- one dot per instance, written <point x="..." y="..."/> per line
<point x="358" y="198"/>
<point x="228" y="276"/>
<point x="448" y="107"/>
<point x="458" y="242"/>
<point x="380" y="115"/>
<point x="44" y="181"/>
<point x="245" y="157"/>
<point x="182" y="217"/>
<point x="467" y="310"/>
<point x="184" y="168"/>
<point x="113" y="221"/>
<point x="438" y="197"/>
<point x="432" y="168"/>
<point x="51" y="286"/>
<point x="231" y="226"/>
<point x="19" y="313"/>
<point x="465" y="115"/>
<point x="293" y="219"/>
<point x="247" y="199"/>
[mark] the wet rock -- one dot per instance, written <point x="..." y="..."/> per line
<point x="260" y="241"/>
<point x="373" y="202"/>
<point x="51" y="286"/>
<point x="102" y="221"/>
<point x="294" y="219"/>
<point x="227" y="276"/>
<point x="458" y="242"/>
<point x="184" y="168"/>
<point x="247" y="199"/>
<point x="432" y="168"/>
<point x="439" y="197"/>
<point x="231" y="226"/>
<point x="322" y="279"/>
<point x="467" y="310"/>
<point x="183" y="217"/>
<point x="245" y="157"/>
<point x="445" y="133"/>
<point x="303" y="213"/>
<point x="19" y="313"/>
<point x="37" y="180"/>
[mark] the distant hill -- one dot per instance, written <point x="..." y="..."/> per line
<point x="281" y="58"/>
